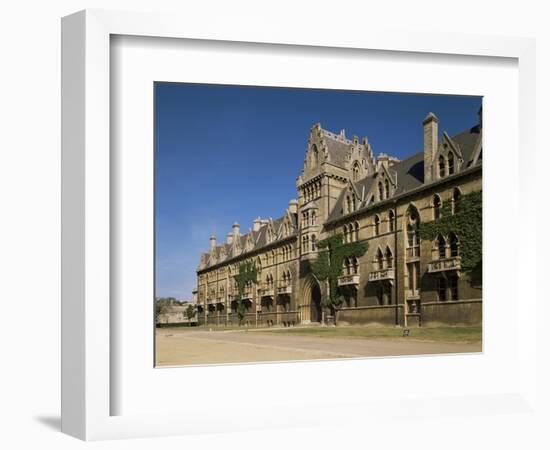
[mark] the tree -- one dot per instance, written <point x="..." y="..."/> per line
<point x="190" y="312"/>
<point x="329" y="266"/>
<point x="247" y="274"/>
<point x="161" y="307"/>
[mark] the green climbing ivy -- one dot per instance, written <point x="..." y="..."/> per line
<point x="247" y="273"/>
<point x="329" y="264"/>
<point x="466" y="223"/>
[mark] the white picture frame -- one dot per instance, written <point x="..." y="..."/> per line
<point x="88" y="325"/>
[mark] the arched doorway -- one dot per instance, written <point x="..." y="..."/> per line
<point x="310" y="301"/>
<point x="316" y="309"/>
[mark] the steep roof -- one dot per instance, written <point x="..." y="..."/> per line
<point x="259" y="238"/>
<point x="410" y="171"/>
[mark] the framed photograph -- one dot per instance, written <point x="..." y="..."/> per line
<point x="301" y="227"/>
<point x="373" y="254"/>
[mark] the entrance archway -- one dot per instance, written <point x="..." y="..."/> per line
<point x="316" y="309"/>
<point x="310" y="305"/>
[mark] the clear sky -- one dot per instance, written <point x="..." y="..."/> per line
<point x="232" y="153"/>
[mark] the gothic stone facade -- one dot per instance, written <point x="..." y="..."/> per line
<point x="343" y="188"/>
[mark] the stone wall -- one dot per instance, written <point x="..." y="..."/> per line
<point x="365" y="315"/>
<point x="461" y="312"/>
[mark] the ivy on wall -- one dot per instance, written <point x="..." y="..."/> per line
<point x="329" y="264"/>
<point x="466" y="223"/>
<point x="247" y="273"/>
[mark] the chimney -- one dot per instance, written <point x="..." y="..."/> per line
<point x="212" y="242"/>
<point x="257" y="224"/>
<point x="229" y="238"/>
<point x="430" y="144"/>
<point x="236" y="230"/>
<point x="293" y="206"/>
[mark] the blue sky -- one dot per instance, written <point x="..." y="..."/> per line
<point x="232" y="153"/>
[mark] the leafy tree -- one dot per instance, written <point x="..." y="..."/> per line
<point x="190" y="312"/>
<point x="329" y="265"/>
<point x="247" y="274"/>
<point x="161" y="307"/>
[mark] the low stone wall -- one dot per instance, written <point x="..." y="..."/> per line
<point x="460" y="312"/>
<point x="364" y="315"/>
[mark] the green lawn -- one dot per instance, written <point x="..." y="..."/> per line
<point x="449" y="334"/>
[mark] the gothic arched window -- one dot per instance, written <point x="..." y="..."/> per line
<point x="376" y="225"/>
<point x="391" y="219"/>
<point x="413" y="238"/>
<point x="354" y="265"/>
<point x="389" y="258"/>
<point x="441" y="247"/>
<point x="453" y="243"/>
<point x="437" y="206"/>
<point x="379" y="259"/>
<point x="456" y="200"/>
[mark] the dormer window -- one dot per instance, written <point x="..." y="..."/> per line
<point x="441" y="166"/>
<point x="350" y="203"/>
<point x="387" y="185"/>
<point x="451" y="163"/>
<point x="380" y="191"/>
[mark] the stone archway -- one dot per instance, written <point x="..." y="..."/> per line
<point x="310" y="307"/>
<point x="316" y="309"/>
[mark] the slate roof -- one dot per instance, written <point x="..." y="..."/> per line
<point x="259" y="239"/>
<point x="410" y="171"/>
<point x="337" y="150"/>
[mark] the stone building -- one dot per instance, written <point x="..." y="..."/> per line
<point x="400" y="280"/>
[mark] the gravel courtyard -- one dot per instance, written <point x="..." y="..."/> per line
<point x="180" y="346"/>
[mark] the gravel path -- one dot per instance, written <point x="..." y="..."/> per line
<point x="178" y="347"/>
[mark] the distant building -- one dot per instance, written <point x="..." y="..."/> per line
<point x="343" y="188"/>
<point x="176" y="315"/>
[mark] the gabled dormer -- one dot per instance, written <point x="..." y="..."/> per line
<point x="352" y="198"/>
<point x="249" y="242"/>
<point x="385" y="180"/>
<point x="270" y="233"/>
<point x="448" y="159"/>
<point x="287" y="225"/>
